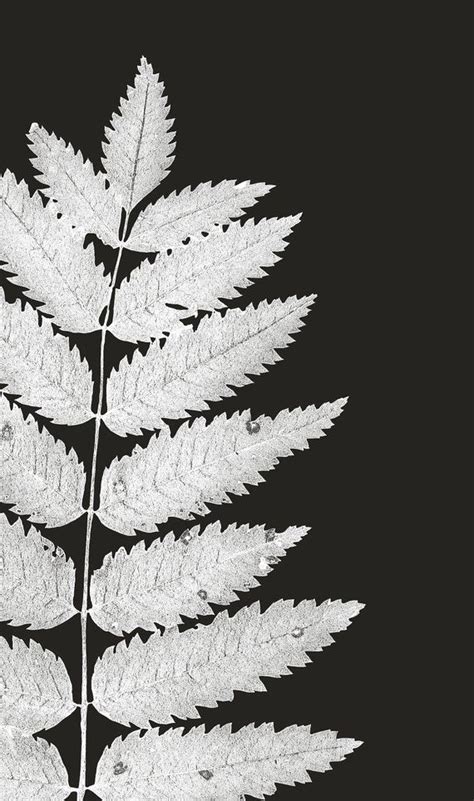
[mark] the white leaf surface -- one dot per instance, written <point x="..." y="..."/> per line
<point x="74" y="187"/>
<point x="196" y="276"/>
<point x="36" y="579"/>
<point x="35" y="688"/>
<point x="194" y="367"/>
<point x="177" y="476"/>
<point x="39" y="477"/>
<point x="49" y="260"/>
<point x="138" y="146"/>
<point x="175" y="672"/>
<point x="219" y="765"/>
<point x="41" y="368"/>
<point x="31" y="770"/>
<point x="176" y="577"/>
<point x="172" y="219"/>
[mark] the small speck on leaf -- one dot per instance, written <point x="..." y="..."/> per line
<point x="252" y="426"/>
<point x="202" y="594"/>
<point x="119" y="768"/>
<point x="297" y="632"/>
<point x="270" y="535"/>
<point x="119" y="487"/>
<point x="7" y="432"/>
<point x="206" y="774"/>
<point x="186" y="537"/>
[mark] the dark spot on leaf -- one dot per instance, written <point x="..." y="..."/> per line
<point x="186" y="537"/>
<point x="297" y="632"/>
<point x="119" y="487"/>
<point x="270" y="535"/>
<point x="7" y="432"/>
<point x="202" y="594"/>
<point x="119" y="768"/>
<point x="206" y="774"/>
<point x="252" y="426"/>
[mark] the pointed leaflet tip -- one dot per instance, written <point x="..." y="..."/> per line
<point x="145" y="67"/>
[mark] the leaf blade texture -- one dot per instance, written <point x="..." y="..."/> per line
<point x="177" y="476"/>
<point x="175" y="672"/>
<point x="139" y="144"/>
<point x="48" y="259"/>
<point x="172" y="219"/>
<point x="74" y="187"/>
<point x="36" y="579"/>
<point x="31" y="770"/>
<point x="197" y="276"/>
<point x="35" y="688"/>
<point x="219" y="765"/>
<point x="41" y="368"/>
<point x="39" y="477"/>
<point x="176" y="577"/>
<point x="194" y="367"/>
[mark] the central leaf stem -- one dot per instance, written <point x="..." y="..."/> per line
<point x="90" y="517"/>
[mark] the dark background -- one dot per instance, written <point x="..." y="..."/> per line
<point x="358" y="114"/>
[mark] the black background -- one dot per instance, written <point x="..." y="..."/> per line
<point x="358" y="114"/>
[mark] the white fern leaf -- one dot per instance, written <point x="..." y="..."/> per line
<point x="41" y="368"/>
<point x="39" y="477"/>
<point x="173" y="673"/>
<point x="172" y="219"/>
<point x="36" y="579"/>
<point x="180" y="577"/>
<point x="196" y="276"/>
<point x="219" y="765"/>
<point x="177" y="476"/>
<point x="31" y="770"/>
<point x="139" y="143"/>
<point x="196" y="366"/>
<point x="49" y="260"/>
<point x="35" y="688"/>
<point x="74" y="187"/>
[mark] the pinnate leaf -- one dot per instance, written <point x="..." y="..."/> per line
<point x="31" y="770"/>
<point x="176" y="577"/>
<point x="172" y="219"/>
<point x="35" y="688"/>
<point x="219" y="765"/>
<point x="48" y="259"/>
<point x="74" y="187"/>
<point x="36" y="579"/>
<point x="39" y="478"/>
<point x="41" y="368"/>
<point x="196" y="366"/>
<point x="173" y="673"/>
<point x="196" y="276"/>
<point x="138" y="146"/>
<point x="178" y="476"/>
